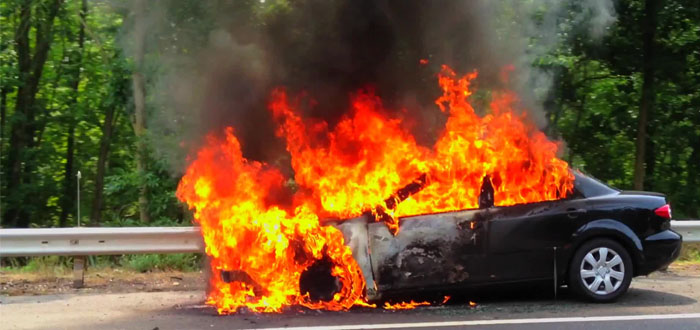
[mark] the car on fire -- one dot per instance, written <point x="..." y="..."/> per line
<point x="594" y="241"/>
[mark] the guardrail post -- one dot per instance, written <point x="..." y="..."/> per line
<point x="79" y="266"/>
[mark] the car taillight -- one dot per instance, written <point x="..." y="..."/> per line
<point x="664" y="211"/>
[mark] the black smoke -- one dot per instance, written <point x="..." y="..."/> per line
<point x="220" y="59"/>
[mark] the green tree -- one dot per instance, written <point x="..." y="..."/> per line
<point x="30" y="61"/>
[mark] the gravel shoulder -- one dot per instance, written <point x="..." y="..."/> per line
<point x="100" y="281"/>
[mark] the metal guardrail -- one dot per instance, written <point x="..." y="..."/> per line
<point x="690" y="229"/>
<point x="139" y="240"/>
<point x="83" y="241"/>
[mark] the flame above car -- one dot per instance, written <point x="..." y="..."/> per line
<point x="355" y="167"/>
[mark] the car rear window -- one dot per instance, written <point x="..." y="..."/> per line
<point x="589" y="187"/>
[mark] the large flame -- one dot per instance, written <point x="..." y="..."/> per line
<point x="360" y="165"/>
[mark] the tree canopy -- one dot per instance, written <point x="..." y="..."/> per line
<point x="82" y="89"/>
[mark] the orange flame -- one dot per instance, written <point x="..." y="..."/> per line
<point x="405" y="305"/>
<point x="347" y="170"/>
<point x="242" y="231"/>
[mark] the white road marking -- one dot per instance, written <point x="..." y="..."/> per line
<point x="497" y="322"/>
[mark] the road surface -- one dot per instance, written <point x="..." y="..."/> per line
<point x="663" y="300"/>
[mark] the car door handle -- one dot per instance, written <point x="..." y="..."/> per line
<point x="575" y="213"/>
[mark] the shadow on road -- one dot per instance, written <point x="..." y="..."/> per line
<point x="645" y="297"/>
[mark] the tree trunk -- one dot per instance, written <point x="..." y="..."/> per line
<point x="3" y="113"/>
<point x="69" y="180"/>
<point x="693" y="176"/>
<point x="69" y="186"/>
<point x="139" y="121"/>
<point x="646" y="104"/>
<point x="17" y="139"/>
<point x="649" y="160"/>
<point x="96" y="212"/>
<point x="19" y="160"/>
<point x="577" y="123"/>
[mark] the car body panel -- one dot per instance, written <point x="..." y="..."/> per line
<point x="523" y="238"/>
<point x="660" y="250"/>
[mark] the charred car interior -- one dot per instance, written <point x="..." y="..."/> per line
<point x="594" y="241"/>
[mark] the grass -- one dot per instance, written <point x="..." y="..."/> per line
<point x="150" y="262"/>
<point x="690" y="253"/>
<point x="56" y="265"/>
<point x="48" y="266"/>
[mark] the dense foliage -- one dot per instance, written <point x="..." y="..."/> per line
<point x="75" y="95"/>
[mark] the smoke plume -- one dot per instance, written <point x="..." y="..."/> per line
<point x="214" y="63"/>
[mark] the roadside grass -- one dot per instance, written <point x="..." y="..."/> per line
<point x="141" y="263"/>
<point x="186" y="262"/>
<point x="45" y="266"/>
<point x="690" y="253"/>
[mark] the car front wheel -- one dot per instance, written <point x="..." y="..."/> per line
<point x="600" y="271"/>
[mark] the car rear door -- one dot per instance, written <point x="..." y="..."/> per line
<point x="523" y="239"/>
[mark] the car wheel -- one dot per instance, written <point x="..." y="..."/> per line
<point x="601" y="270"/>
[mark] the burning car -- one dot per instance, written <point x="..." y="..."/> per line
<point x="370" y="211"/>
<point x="595" y="240"/>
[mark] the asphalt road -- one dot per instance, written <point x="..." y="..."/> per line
<point x="668" y="301"/>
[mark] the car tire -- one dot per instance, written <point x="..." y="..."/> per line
<point x="600" y="270"/>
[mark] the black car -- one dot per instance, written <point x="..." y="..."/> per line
<point x="594" y="241"/>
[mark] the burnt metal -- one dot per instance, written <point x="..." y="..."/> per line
<point x="415" y="186"/>
<point x="355" y="236"/>
<point x="380" y="214"/>
<point x="429" y="250"/>
<point x="486" y="193"/>
<point x="230" y="276"/>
